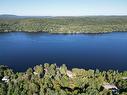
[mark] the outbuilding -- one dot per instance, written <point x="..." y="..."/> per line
<point x="111" y="87"/>
<point x="5" y="78"/>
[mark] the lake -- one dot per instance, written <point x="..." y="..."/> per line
<point x="20" y="50"/>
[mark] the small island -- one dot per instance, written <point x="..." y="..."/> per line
<point x="50" y="79"/>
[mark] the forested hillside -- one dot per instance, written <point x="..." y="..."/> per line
<point x="91" y="24"/>
<point x="49" y="79"/>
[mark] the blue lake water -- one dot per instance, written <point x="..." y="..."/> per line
<point x="20" y="50"/>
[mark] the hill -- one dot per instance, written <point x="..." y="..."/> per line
<point x="13" y="17"/>
<point x="81" y="24"/>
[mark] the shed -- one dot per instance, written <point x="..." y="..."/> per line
<point x="5" y="78"/>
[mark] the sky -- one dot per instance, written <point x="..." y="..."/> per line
<point x="63" y="7"/>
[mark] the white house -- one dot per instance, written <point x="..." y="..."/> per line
<point x="35" y="73"/>
<point x="5" y="78"/>
<point x="70" y="74"/>
<point x="124" y="78"/>
<point x="109" y="86"/>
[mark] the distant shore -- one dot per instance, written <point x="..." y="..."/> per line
<point x="65" y="25"/>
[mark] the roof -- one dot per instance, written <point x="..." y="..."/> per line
<point x="109" y="86"/>
<point x="46" y="69"/>
<point x="5" y="78"/>
<point x="35" y="73"/>
<point x="124" y="78"/>
<point x="69" y="74"/>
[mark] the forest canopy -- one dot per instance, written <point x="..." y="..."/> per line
<point x="49" y="79"/>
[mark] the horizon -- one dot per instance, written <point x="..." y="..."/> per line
<point x="57" y="15"/>
<point x="64" y="8"/>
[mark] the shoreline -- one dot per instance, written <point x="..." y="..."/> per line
<point x="49" y="78"/>
<point x="73" y="33"/>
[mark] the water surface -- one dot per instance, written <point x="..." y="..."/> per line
<point x="21" y="50"/>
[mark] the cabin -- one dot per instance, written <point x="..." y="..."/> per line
<point x="46" y="70"/>
<point x="111" y="87"/>
<point x="5" y="78"/>
<point x="70" y="74"/>
<point x="38" y="74"/>
<point x="124" y="78"/>
<point x="35" y="73"/>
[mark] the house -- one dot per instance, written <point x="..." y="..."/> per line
<point x="5" y="78"/>
<point x="70" y="74"/>
<point x="111" y="87"/>
<point x="35" y="73"/>
<point x="124" y="78"/>
<point x="46" y="69"/>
